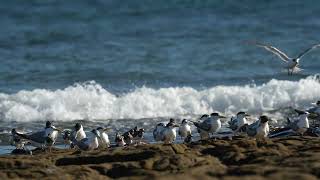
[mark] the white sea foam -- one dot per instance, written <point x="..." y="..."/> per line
<point x="91" y="101"/>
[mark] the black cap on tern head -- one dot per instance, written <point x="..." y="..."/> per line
<point x="48" y="124"/>
<point x="318" y="103"/>
<point x="204" y="116"/>
<point x="99" y="128"/>
<point x="264" y="119"/>
<point x="184" y="121"/>
<point x="172" y="120"/>
<point x="13" y="131"/>
<point x="214" y="114"/>
<point x="77" y="126"/>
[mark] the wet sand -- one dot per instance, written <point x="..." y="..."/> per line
<point x="240" y="158"/>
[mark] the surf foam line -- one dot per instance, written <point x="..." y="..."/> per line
<point x="91" y="101"/>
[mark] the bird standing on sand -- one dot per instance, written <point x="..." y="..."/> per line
<point x="291" y="63"/>
<point x="88" y="143"/>
<point x="46" y="137"/>
<point x="212" y="124"/>
<point x="185" y="131"/>
<point x="104" y="140"/>
<point x="259" y="129"/>
<point x="78" y="132"/>
<point x="203" y="133"/>
<point x="157" y="132"/>
<point x="237" y="123"/>
<point x="169" y="133"/>
<point x="300" y="125"/>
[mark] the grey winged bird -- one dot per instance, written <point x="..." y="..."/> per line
<point x="300" y="125"/>
<point x="88" y="143"/>
<point x="46" y="137"/>
<point x="157" y="135"/>
<point x="259" y="129"/>
<point x="211" y="124"/>
<point x="291" y="63"/>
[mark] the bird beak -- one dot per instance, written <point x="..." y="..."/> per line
<point x="222" y="116"/>
<point x="246" y="115"/>
<point x="176" y="125"/>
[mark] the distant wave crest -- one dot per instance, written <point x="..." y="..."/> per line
<point x="91" y="101"/>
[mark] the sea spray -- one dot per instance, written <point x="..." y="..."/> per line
<point x="90" y="101"/>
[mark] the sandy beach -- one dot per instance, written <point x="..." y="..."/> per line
<point x="240" y="158"/>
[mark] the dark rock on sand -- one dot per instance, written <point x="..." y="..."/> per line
<point x="240" y="158"/>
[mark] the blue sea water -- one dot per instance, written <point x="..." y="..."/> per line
<point x="122" y="63"/>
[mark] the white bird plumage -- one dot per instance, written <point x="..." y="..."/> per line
<point x="300" y="125"/>
<point x="104" y="140"/>
<point x="291" y="63"/>
<point x="184" y="129"/>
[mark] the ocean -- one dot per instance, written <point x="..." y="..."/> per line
<point x="124" y="63"/>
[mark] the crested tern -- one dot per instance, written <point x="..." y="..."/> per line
<point x="104" y="140"/>
<point x="157" y="135"/>
<point x="88" y="143"/>
<point x="46" y="137"/>
<point x="169" y="133"/>
<point x="292" y="64"/>
<point x="211" y="124"/>
<point x="301" y="124"/>
<point x="259" y="129"/>
<point x="238" y="123"/>
<point x="185" y="131"/>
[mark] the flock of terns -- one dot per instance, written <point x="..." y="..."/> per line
<point x="207" y="126"/>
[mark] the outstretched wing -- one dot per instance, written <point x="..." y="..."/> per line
<point x="274" y="50"/>
<point x="307" y="50"/>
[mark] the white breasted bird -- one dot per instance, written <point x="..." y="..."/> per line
<point x="185" y="131"/>
<point x="292" y="64"/>
<point x="237" y="123"/>
<point x="78" y="132"/>
<point x="46" y="137"/>
<point x="104" y="140"/>
<point x="157" y="135"/>
<point x="169" y="133"/>
<point x="300" y="125"/>
<point x="203" y="133"/>
<point x="212" y="124"/>
<point x="259" y="129"/>
<point x="88" y="143"/>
